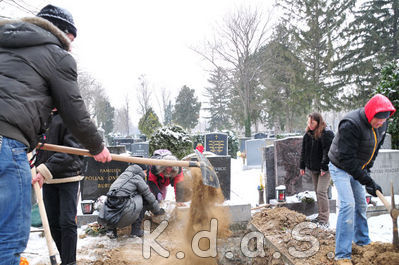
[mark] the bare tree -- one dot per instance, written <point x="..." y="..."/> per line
<point x="238" y="39"/>
<point x="143" y="95"/>
<point x="122" y="118"/>
<point x="163" y="101"/>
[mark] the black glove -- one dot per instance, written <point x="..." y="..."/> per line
<point x="365" y="179"/>
<point x="372" y="188"/>
<point x="160" y="212"/>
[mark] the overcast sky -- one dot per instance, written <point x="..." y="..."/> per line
<point x="117" y="41"/>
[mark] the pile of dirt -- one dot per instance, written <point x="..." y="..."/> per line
<point x="304" y="244"/>
<point x="178" y="235"/>
<point x="277" y="220"/>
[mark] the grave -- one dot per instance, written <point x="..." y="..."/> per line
<point x="287" y="153"/>
<point x="117" y="149"/>
<point x="254" y="152"/>
<point x="216" y="143"/>
<point x="99" y="177"/>
<point x="270" y="172"/>
<point x="140" y="149"/>
<point x="260" y="135"/>
<point x="386" y="170"/>
<point x="387" y="142"/>
<point x="222" y="166"/>
<point x="242" y="143"/>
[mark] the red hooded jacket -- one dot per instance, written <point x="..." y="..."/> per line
<point x="378" y="103"/>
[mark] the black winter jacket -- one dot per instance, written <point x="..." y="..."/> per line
<point x="60" y="165"/>
<point x="314" y="154"/>
<point x="37" y="74"/>
<point x="356" y="144"/>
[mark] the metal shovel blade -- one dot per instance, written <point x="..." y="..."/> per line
<point x="209" y="176"/>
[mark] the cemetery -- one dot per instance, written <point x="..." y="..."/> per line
<point x="280" y="199"/>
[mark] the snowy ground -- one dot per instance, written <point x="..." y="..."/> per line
<point x="244" y="185"/>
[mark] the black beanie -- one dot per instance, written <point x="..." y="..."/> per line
<point x="382" y="115"/>
<point x="60" y="17"/>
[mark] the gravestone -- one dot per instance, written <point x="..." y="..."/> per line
<point x="222" y="166"/>
<point x="242" y="143"/>
<point x="287" y="154"/>
<point x="140" y="149"/>
<point x="216" y="143"/>
<point x="254" y="152"/>
<point x="99" y="177"/>
<point x="117" y="149"/>
<point x="270" y="172"/>
<point x="387" y="142"/>
<point x="260" y="135"/>
<point x="386" y="170"/>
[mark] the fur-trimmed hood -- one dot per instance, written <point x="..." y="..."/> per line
<point x="31" y="31"/>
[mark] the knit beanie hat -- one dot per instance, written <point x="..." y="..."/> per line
<point x="383" y="115"/>
<point x="60" y="17"/>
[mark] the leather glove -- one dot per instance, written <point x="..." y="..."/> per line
<point x="372" y="188"/>
<point x="160" y="212"/>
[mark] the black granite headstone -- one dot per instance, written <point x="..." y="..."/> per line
<point x="216" y="143"/>
<point x="287" y="155"/>
<point x="140" y="149"/>
<point x="270" y="175"/>
<point x="260" y="135"/>
<point x="99" y="177"/>
<point x="222" y="166"/>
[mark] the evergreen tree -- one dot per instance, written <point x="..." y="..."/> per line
<point x="389" y="86"/>
<point x="187" y="108"/>
<point x="168" y="113"/>
<point x="218" y="94"/>
<point x="372" y="42"/>
<point x="149" y="123"/>
<point x="105" y="114"/>
<point x="318" y="25"/>
<point x="287" y="91"/>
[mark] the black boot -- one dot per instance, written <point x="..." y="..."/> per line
<point x="136" y="229"/>
<point x="136" y="226"/>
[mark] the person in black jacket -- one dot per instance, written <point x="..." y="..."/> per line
<point x="352" y="153"/>
<point x="314" y="162"/>
<point x="62" y="173"/>
<point x="37" y="73"/>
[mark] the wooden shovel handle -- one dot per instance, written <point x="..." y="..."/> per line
<point x="129" y="159"/>
<point x="384" y="201"/>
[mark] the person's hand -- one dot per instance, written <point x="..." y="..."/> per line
<point x="160" y="212"/>
<point x="372" y="188"/>
<point x="322" y="173"/>
<point x="302" y="172"/>
<point x="104" y="156"/>
<point x="159" y="197"/>
<point x="39" y="178"/>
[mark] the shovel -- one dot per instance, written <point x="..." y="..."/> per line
<point x="43" y="216"/>
<point x="209" y="176"/>
<point x="394" y="215"/>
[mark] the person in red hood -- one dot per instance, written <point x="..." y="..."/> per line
<point x="160" y="177"/>
<point x="352" y="153"/>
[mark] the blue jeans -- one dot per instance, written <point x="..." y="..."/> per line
<point x="352" y="220"/>
<point x="15" y="200"/>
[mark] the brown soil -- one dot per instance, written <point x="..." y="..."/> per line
<point x="177" y="236"/>
<point x="277" y="225"/>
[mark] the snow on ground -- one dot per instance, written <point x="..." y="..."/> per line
<point x="244" y="185"/>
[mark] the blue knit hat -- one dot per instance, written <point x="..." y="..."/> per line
<point x="60" y="17"/>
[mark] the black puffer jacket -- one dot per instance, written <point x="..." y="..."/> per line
<point x="314" y="154"/>
<point x="60" y="165"/>
<point x="37" y="74"/>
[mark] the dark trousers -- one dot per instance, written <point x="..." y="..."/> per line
<point x="60" y="201"/>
